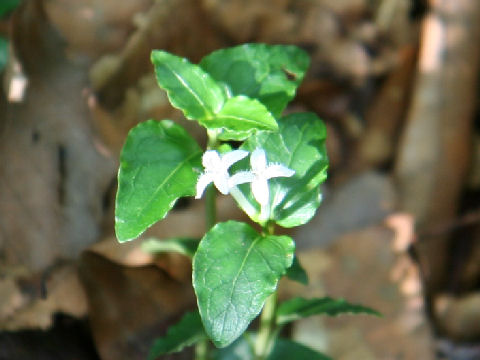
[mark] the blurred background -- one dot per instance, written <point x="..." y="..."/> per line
<point x="399" y="228"/>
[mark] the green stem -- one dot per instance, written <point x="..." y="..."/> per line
<point x="212" y="142"/>
<point x="267" y="330"/>
<point x="264" y="340"/>
<point x="201" y="348"/>
<point x="210" y="207"/>
<point x="243" y="201"/>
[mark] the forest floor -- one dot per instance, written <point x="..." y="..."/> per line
<point x="395" y="82"/>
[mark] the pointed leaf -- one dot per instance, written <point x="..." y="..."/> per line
<point x="234" y="270"/>
<point x="299" y="145"/>
<point x="297" y="273"/>
<point x="298" y="308"/>
<point x="268" y="73"/>
<point x="241" y="117"/>
<point x="184" y="246"/>
<point x="159" y="163"/>
<point x="189" y="88"/>
<point x="285" y="349"/>
<point x="188" y="331"/>
<point x="198" y="95"/>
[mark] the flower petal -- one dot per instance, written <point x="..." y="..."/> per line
<point x="278" y="170"/>
<point x="211" y="160"/>
<point x="260" y="190"/>
<point x="202" y="183"/>
<point x="221" y="182"/>
<point x="230" y="158"/>
<point x="258" y="161"/>
<point x="241" y="177"/>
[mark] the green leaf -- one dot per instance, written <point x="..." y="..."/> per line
<point x="189" y="88"/>
<point x="285" y="349"/>
<point x="7" y="6"/>
<point x="298" y="308"/>
<point x="240" y="349"/>
<point x="184" y="246"/>
<point x="159" y="163"/>
<point x="188" y="331"/>
<point x="269" y="73"/>
<point x="299" y="145"/>
<point x="241" y="117"/>
<point x="297" y="273"/>
<point x="198" y="95"/>
<point x="4" y="52"/>
<point x="234" y="270"/>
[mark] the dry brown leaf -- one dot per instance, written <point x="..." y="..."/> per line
<point x="63" y="293"/>
<point x="458" y="317"/>
<point x="52" y="179"/>
<point x="93" y="27"/>
<point x="130" y="306"/>
<point x="357" y="267"/>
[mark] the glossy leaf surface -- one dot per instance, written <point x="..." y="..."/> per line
<point x="269" y="73"/>
<point x="241" y="116"/>
<point x="189" y="88"/>
<point x="159" y="163"/>
<point x="234" y="270"/>
<point x="298" y="308"/>
<point x="299" y="145"/>
<point x="187" y="332"/>
<point x="201" y="98"/>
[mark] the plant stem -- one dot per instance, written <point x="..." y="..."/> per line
<point x="201" y="348"/>
<point x="242" y="200"/>
<point x="212" y="142"/>
<point x="267" y="332"/>
<point x="210" y="207"/>
<point x="264" y="340"/>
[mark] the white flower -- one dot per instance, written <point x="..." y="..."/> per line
<point x="259" y="176"/>
<point x="216" y="170"/>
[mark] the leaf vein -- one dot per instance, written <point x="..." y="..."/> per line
<point x="187" y="86"/>
<point x="160" y="186"/>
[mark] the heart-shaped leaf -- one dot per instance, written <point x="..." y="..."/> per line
<point x="269" y="73"/>
<point x="235" y="269"/>
<point x="159" y="163"/>
<point x="299" y="145"/>
<point x="298" y="308"/>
